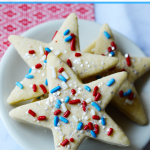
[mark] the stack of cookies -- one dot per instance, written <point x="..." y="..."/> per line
<point x="70" y="89"/>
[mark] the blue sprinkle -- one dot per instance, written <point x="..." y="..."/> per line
<point x="98" y="77"/>
<point x="66" y="32"/>
<point x="30" y="70"/>
<point x="96" y="106"/>
<point x="103" y="121"/>
<point x="127" y="93"/>
<point x="57" y="106"/>
<point x="62" y="78"/>
<point x="87" y="88"/>
<point x="112" y="53"/>
<point x="80" y="125"/>
<point x="58" y="102"/>
<point x="46" y="82"/>
<point x="19" y="84"/>
<point x="39" y="97"/>
<point x="47" y="49"/>
<point x="56" y="121"/>
<point x="63" y="119"/>
<point x="55" y="89"/>
<point x="110" y="82"/>
<point x="106" y="34"/>
<point x="29" y="76"/>
<point x="45" y="61"/>
<point x="93" y="134"/>
<point x="69" y="38"/>
<point x="66" y="99"/>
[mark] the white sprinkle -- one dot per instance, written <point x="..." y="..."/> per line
<point x="57" y="53"/>
<point x="126" y="55"/>
<point x="88" y="100"/>
<point x="30" y="85"/>
<point x="68" y="146"/>
<point x="81" y="65"/>
<point x="51" y="48"/>
<point x="112" y="48"/>
<point x="64" y="107"/>
<point x="41" y="50"/>
<point x="65" y="86"/>
<point x="53" y="71"/>
<point x="110" y="55"/>
<point x="92" y="112"/>
<point x="43" y="58"/>
<point x="43" y="74"/>
<point x="27" y="113"/>
<point x="65" y="75"/>
<point x="86" y="117"/>
<point x="130" y="102"/>
<point x="75" y="118"/>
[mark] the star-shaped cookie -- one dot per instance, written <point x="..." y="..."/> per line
<point x="65" y="44"/>
<point x="71" y="111"/>
<point x="127" y="99"/>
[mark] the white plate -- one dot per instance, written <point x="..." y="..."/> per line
<point x="31" y="137"/>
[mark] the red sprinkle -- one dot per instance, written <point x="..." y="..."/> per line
<point x="34" y="87"/>
<point x="43" y="88"/>
<point x="84" y="105"/>
<point x="31" y="52"/>
<point x="69" y="63"/>
<point x="72" y="44"/>
<point x="71" y="139"/>
<point x="75" y="101"/>
<point x="77" y="54"/>
<point x="98" y="95"/>
<point x="109" y="49"/>
<point x="103" y="54"/>
<point x="57" y="112"/>
<point x="94" y="93"/>
<point x="123" y="69"/>
<point x="65" y="142"/>
<point x="73" y="36"/>
<point x="128" y="60"/>
<point x="95" y="88"/>
<point x="60" y="70"/>
<point x="37" y="66"/>
<point x="96" y="117"/>
<point x="54" y="35"/>
<point x="40" y="118"/>
<point x="90" y="125"/>
<point x="113" y="44"/>
<point x="31" y="112"/>
<point x="46" y="53"/>
<point x="86" y="127"/>
<point x="96" y="128"/>
<point x="131" y="96"/>
<point x="66" y="114"/>
<point x="73" y="91"/>
<point x="121" y="93"/>
<point x="110" y="131"/>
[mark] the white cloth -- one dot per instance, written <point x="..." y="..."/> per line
<point x="132" y="20"/>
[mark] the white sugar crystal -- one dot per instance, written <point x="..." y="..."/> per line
<point x="126" y="55"/>
<point x="81" y="65"/>
<point x="43" y="74"/>
<point x="88" y="100"/>
<point x="89" y="66"/>
<point x="75" y="118"/>
<point x="68" y="146"/>
<point x="65" y="75"/>
<point x="57" y="53"/>
<point x="64" y="107"/>
<point x="92" y="50"/>
<point x="92" y="112"/>
<point x="86" y="62"/>
<point x="86" y="117"/>
<point x="65" y="86"/>
<point x="53" y="71"/>
<point x="41" y="50"/>
<point x="130" y="102"/>
<point x="27" y="113"/>
<point x="51" y="48"/>
<point x="110" y="55"/>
